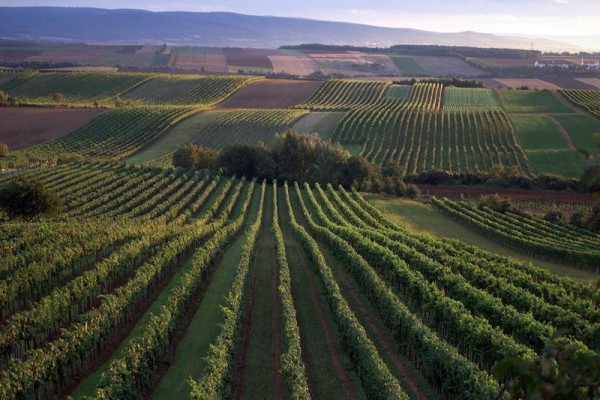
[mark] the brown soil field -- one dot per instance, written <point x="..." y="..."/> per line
<point x="295" y="65"/>
<point x="530" y="83"/>
<point x="97" y="55"/>
<point x="593" y="82"/>
<point x="514" y="194"/>
<point x="447" y="66"/>
<point x="272" y="93"/>
<point x="206" y="62"/>
<point x="17" y="55"/>
<point x="257" y="58"/>
<point x="24" y="127"/>
<point x="492" y="83"/>
<point x="571" y="83"/>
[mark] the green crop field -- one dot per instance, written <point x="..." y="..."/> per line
<point x="581" y="129"/>
<point x="185" y="89"/>
<point x="409" y="66"/>
<point x="459" y="99"/>
<point x="419" y="136"/>
<point x="531" y="101"/>
<point x="246" y="127"/>
<point x="537" y="132"/>
<point x="341" y="95"/>
<point x="77" y="87"/>
<point x="170" y="284"/>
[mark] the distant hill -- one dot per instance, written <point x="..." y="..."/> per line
<point x="94" y="25"/>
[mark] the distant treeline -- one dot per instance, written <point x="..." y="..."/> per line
<point x="427" y="50"/>
<point x="37" y="64"/>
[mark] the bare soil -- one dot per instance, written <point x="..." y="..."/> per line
<point x="25" y="127"/>
<point x="272" y="93"/>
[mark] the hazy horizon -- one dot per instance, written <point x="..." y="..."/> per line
<point x="524" y="17"/>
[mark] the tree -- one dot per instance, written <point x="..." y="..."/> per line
<point x="27" y="198"/>
<point x="3" y="150"/>
<point x="251" y="161"/>
<point x="3" y="98"/>
<point x="58" y="97"/>
<point x="193" y="156"/>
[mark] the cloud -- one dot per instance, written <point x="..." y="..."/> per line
<point x="561" y="1"/>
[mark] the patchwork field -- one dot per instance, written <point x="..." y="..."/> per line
<point x="245" y="126"/>
<point x="323" y="123"/>
<point x="531" y="84"/>
<point x="547" y="149"/>
<point x="409" y="66"/>
<point x="272" y="93"/>
<point x="528" y="101"/>
<point x="295" y="64"/>
<point x="447" y="66"/>
<point x="25" y="127"/>
<point x="159" y="283"/>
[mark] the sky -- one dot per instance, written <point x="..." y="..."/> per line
<point x="527" y="17"/>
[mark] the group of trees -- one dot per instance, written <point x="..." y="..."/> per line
<point x="27" y="199"/>
<point x="297" y="157"/>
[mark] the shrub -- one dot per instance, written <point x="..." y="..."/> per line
<point x="26" y="198"/>
<point x="3" y="98"/>
<point x="67" y="157"/>
<point x="198" y="157"/>
<point x="248" y="160"/>
<point x="3" y="150"/>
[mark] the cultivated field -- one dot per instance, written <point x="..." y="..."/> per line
<point x="246" y="126"/>
<point x="272" y="93"/>
<point x="532" y="84"/>
<point x="447" y="66"/>
<point x="158" y="283"/>
<point x="25" y="127"/>
<point x="255" y="289"/>
<point x="294" y="64"/>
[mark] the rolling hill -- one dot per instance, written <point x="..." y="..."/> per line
<point x="94" y="25"/>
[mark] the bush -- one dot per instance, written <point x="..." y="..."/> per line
<point x="3" y="98"/>
<point x="67" y="157"/>
<point x="198" y="157"/>
<point x="26" y="198"/>
<point x="248" y="160"/>
<point x="495" y="202"/>
<point x="3" y="150"/>
<point x="58" y="97"/>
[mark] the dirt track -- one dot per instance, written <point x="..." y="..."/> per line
<point x="24" y="127"/>
<point x="272" y="93"/>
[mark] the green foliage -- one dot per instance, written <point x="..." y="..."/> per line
<point x="58" y="97"/>
<point x="250" y="161"/>
<point x="3" y="98"/>
<point x="560" y="372"/>
<point x="27" y="199"/>
<point x="197" y="157"/>
<point x="299" y="156"/>
<point x="529" y="234"/>
<point x="68" y="157"/>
